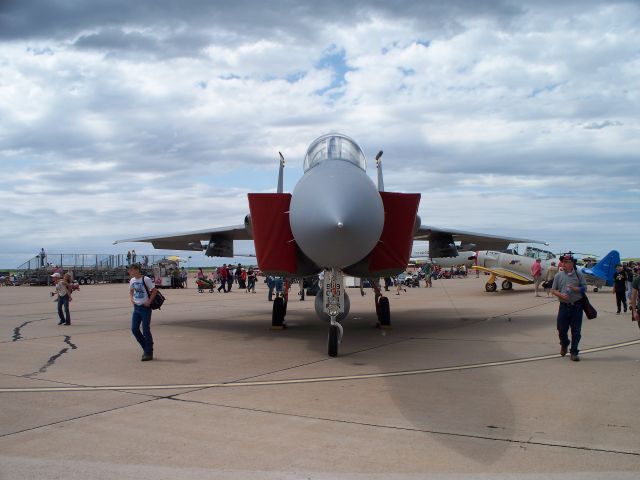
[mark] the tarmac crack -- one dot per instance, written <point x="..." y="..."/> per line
<point x="59" y="422"/>
<point x="522" y="443"/>
<point x="17" y="332"/>
<point x="53" y="358"/>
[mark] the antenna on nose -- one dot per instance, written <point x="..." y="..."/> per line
<point x="379" y="167"/>
<point x="280" y="173"/>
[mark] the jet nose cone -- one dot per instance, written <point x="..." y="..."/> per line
<point x="336" y="214"/>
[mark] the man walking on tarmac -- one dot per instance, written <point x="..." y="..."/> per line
<point x="569" y="286"/>
<point x="142" y="291"/>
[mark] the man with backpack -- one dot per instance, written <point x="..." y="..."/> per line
<point x="142" y="292"/>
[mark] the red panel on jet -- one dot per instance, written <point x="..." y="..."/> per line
<point x="394" y="247"/>
<point x="275" y="248"/>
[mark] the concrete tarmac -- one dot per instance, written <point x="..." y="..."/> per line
<point x="466" y="384"/>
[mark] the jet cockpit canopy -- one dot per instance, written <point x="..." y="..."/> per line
<point x="334" y="146"/>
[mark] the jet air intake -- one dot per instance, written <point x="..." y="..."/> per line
<point x="336" y="214"/>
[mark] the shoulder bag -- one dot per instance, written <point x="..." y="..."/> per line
<point x="158" y="300"/>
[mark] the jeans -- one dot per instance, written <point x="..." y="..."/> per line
<point x="570" y="317"/>
<point x="142" y="315"/>
<point x="621" y="299"/>
<point x="64" y="301"/>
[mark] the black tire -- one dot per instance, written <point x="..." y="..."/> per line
<point x="595" y="289"/>
<point x="491" y="287"/>
<point x="384" y="312"/>
<point x="277" y="315"/>
<point x="334" y="335"/>
<point x="82" y="281"/>
<point x="507" y="285"/>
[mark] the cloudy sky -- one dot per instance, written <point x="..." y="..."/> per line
<point x="121" y="119"/>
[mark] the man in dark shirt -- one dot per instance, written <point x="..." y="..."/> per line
<point x="620" y="287"/>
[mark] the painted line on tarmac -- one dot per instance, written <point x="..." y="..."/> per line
<point x="364" y="376"/>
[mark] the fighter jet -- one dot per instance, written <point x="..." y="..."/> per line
<point x="338" y="222"/>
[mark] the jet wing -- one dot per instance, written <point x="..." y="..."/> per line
<point x="444" y="238"/>
<point x="505" y="273"/>
<point x="220" y="240"/>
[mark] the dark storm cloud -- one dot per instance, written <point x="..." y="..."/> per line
<point x="65" y="20"/>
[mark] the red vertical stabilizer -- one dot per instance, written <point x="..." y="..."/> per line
<point x="275" y="248"/>
<point x="394" y="247"/>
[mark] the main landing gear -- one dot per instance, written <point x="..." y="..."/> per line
<point x="280" y="308"/>
<point x="383" y="309"/>
<point x="278" y="313"/>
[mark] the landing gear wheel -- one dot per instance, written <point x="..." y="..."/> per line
<point x="384" y="312"/>
<point x="278" y="313"/>
<point x="595" y="289"/>
<point x="334" y="339"/>
<point x="491" y="287"/>
<point x="507" y="285"/>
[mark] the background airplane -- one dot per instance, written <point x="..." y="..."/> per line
<point x="335" y="221"/>
<point x="517" y="268"/>
<point x="601" y="274"/>
<point x="466" y="258"/>
<point x="513" y="268"/>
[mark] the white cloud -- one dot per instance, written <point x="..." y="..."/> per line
<point x="524" y="114"/>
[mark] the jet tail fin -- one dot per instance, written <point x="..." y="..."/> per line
<point x="606" y="267"/>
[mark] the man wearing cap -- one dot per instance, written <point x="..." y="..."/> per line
<point x="569" y="286"/>
<point x="63" y="289"/>
<point x="142" y="291"/>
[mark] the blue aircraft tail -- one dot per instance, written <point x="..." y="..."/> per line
<point x="605" y="268"/>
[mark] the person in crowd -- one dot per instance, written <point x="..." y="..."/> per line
<point x="548" y="279"/>
<point x="536" y="273"/>
<point x="426" y="269"/>
<point x="251" y="280"/>
<point x="237" y="274"/>
<point x="270" y="285"/>
<point x="569" y="287"/>
<point x="222" y="275"/>
<point x="279" y="285"/>
<point x="620" y="287"/>
<point x="142" y="291"/>
<point x="230" y="278"/>
<point x="242" y="281"/>
<point x="635" y="299"/>
<point x="184" y="276"/>
<point x="63" y="289"/>
<point x="629" y="272"/>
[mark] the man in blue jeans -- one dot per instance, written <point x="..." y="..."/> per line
<point x="142" y="291"/>
<point x="569" y="286"/>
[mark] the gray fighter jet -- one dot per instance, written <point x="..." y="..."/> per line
<point x="337" y="222"/>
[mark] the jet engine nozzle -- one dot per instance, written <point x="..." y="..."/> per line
<point x="336" y="214"/>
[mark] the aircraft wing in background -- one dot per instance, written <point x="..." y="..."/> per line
<point x="218" y="241"/>
<point x="442" y="241"/>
